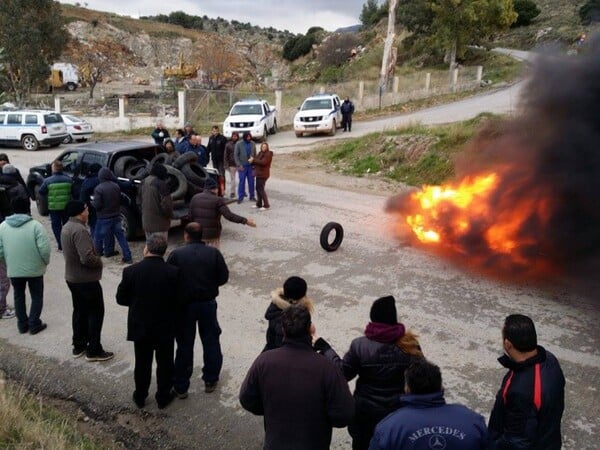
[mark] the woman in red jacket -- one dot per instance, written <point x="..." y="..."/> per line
<point x="262" y="167"/>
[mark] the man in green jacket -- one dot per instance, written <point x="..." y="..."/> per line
<point x="25" y="248"/>
<point x="57" y="187"/>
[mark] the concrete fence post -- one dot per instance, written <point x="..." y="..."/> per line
<point x="479" y="73"/>
<point x="396" y="84"/>
<point x="361" y="91"/>
<point x="122" y="107"/>
<point x="322" y="90"/>
<point x="278" y="101"/>
<point x="427" y="81"/>
<point x="181" y="107"/>
<point x="57" y="103"/>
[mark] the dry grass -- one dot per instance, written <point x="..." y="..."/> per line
<point x="26" y="422"/>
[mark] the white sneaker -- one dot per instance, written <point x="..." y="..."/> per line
<point x="8" y="314"/>
<point x="263" y="209"/>
<point x="254" y="206"/>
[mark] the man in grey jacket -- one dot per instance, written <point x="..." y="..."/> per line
<point x="83" y="271"/>
<point x="157" y="204"/>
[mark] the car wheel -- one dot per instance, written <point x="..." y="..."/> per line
<point x="71" y="87"/>
<point x="41" y="202"/>
<point x="68" y="139"/>
<point x="298" y="134"/>
<point x="274" y="129"/>
<point x="328" y="245"/>
<point x="129" y="223"/>
<point x="333" y="128"/>
<point x="30" y="143"/>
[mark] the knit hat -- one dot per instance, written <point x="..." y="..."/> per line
<point x="3" y="157"/>
<point x="159" y="171"/>
<point x="9" y="169"/>
<point x="383" y="310"/>
<point x="294" y="288"/>
<point x="74" y="208"/>
<point x="210" y="184"/>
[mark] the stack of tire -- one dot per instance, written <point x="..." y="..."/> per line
<point x="185" y="175"/>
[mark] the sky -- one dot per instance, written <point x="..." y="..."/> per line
<point x="296" y="16"/>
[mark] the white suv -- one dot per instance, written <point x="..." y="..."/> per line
<point x="32" y="128"/>
<point x="318" y="114"/>
<point x="255" y="116"/>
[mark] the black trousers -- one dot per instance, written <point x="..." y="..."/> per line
<point x="88" y="316"/>
<point x="144" y="353"/>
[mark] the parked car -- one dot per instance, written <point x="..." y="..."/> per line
<point x="255" y="116"/>
<point x="318" y="114"/>
<point x="130" y="161"/>
<point x="32" y="128"/>
<point x="79" y="130"/>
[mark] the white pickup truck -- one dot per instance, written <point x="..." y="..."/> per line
<point x="255" y="116"/>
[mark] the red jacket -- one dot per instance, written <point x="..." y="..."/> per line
<point x="262" y="164"/>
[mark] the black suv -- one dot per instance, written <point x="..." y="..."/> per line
<point x="76" y="162"/>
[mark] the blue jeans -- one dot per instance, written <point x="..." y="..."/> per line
<point x="205" y="315"/>
<point x="246" y="174"/>
<point x="57" y="220"/>
<point x="105" y="229"/>
<point x="36" y="290"/>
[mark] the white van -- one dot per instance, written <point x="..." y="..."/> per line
<point x="32" y="128"/>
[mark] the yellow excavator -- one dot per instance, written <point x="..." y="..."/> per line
<point x="181" y="71"/>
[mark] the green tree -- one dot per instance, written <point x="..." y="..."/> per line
<point x="526" y="11"/>
<point x="33" y="35"/>
<point x="372" y="13"/>
<point x="590" y="12"/>
<point x="458" y="23"/>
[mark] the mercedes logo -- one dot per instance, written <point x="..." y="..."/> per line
<point x="437" y="442"/>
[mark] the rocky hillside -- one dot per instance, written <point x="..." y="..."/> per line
<point x="141" y="49"/>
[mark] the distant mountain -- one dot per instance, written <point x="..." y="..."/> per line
<point x="350" y="29"/>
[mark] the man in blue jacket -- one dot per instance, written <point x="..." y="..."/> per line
<point x="425" y="421"/>
<point x="530" y="403"/>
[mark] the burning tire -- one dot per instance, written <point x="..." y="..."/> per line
<point x="328" y="245"/>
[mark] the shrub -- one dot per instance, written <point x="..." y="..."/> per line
<point x="527" y="10"/>
<point x="590" y="12"/>
<point x="298" y="46"/>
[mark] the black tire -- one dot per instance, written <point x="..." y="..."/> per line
<point x="122" y="163"/>
<point x="184" y="159"/>
<point x="137" y="170"/>
<point x="30" y="143"/>
<point x="41" y="202"/>
<point x="195" y="173"/>
<point x="265" y="134"/>
<point x="67" y="140"/>
<point x="298" y="134"/>
<point x="274" y="129"/>
<point x="71" y="86"/>
<point x="333" y="128"/>
<point x="129" y="223"/>
<point x="162" y="158"/>
<point x="337" y="241"/>
<point x="177" y="183"/>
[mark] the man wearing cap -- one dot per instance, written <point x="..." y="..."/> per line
<point x="25" y="249"/>
<point x="202" y="271"/>
<point x="425" y="421"/>
<point x="531" y="400"/>
<point x="244" y="154"/>
<point x="57" y="187"/>
<point x="378" y="359"/>
<point x="83" y="271"/>
<point x="157" y="204"/>
<point x="300" y="394"/>
<point x="292" y="293"/>
<point x="206" y="208"/>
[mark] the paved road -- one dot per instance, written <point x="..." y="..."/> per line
<point x="457" y="314"/>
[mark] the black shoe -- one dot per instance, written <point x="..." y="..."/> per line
<point x="139" y="402"/>
<point x="181" y="395"/>
<point x="42" y="327"/>
<point x="23" y="330"/>
<point x="210" y="387"/>
<point x="111" y="254"/>
<point x="127" y="261"/>
<point x="166" y="402"/>
<point x="102" y="356"/>
<point x="77" y="352"/>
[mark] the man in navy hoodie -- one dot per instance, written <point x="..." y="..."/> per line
<point x="425" y="421"/>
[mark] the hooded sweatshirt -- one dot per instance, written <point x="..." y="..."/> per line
<point x="24" y="246"/>
<point x="107" y="195"/>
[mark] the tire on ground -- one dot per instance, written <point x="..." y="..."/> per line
<point x="195" y="173"/>
<point x="122" y="164"/>
<point x="186" y="158"/>
<point x="326" y="232"/>
<point x="177" y="183"/>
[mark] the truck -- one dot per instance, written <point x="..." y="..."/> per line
<point x="64" y="76"/>
<point x="253" y="115"/>
<point x="130" y="161"/>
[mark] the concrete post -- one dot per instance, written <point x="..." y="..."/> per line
<point x="361" y="91"/>
<point x="278" y="100"/>
<point x="396" y="84"/>
<point x="57" y="103"/>
<point x="181" y="108"/>
<point x="427" y="81"/>
<point x="122" y="101"/>
<point x="479" y="73"/>
<point x="322" y="90"/>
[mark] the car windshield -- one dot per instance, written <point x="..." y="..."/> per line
<point x="53" y="118"/>
<point x="324" y="103"/>
<point x="239" y="110"/>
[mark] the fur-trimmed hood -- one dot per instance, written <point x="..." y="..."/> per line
<point x="282" y="303"/>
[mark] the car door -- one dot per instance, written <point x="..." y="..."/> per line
<point x="338" y="110"/>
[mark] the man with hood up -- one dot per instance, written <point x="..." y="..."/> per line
<point x="25" y="248"/>
<point x="156" y="203"/>
<point x="107" y="202"/>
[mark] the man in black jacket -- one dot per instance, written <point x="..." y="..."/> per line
<point x="530" y="403"/>
<point x="301" y="394"/>
<point x="148" y="288"/>
<point x="202" y="271"/>
<point x="216" y="150"/>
